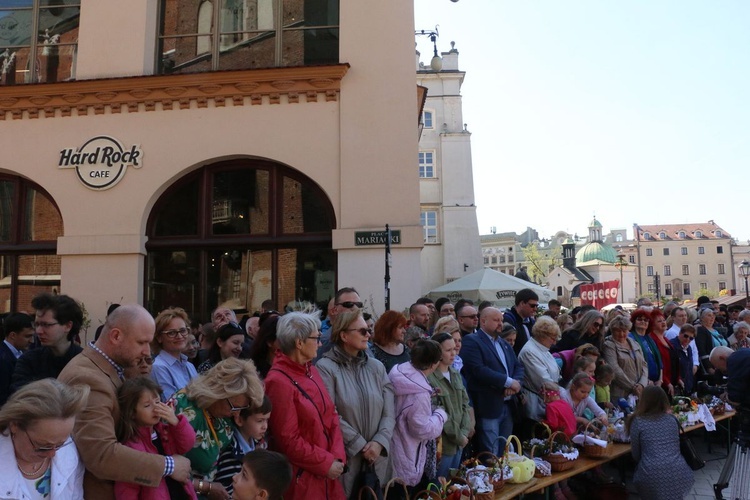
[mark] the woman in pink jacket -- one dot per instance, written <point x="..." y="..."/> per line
<point x="304" y="424"/>
<point x="417" y="422"/>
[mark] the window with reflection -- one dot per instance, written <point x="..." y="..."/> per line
<point x="38" y="40"/>
<point x="210" y="35"/>
<point x="30" y="224"/>
<point x="261" y="231"/>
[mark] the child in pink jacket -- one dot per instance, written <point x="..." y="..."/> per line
<point x="416" y="421"/>
<point x="143" y="428"/>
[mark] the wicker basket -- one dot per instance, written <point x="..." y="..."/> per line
<point x="593" y="450"/>
<point x="558" y="462"/>
<point x="489" y="495"/>
<point x="492" y="461"/>
<point x="537" y="473"/>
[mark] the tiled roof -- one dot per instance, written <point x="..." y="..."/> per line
<point x="707" y="230"/>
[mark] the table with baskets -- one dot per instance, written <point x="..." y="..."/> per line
<point x="591" y="456"/>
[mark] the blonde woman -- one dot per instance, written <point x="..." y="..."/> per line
<point x="36" y="449"/>
<point x="208" y="403"/>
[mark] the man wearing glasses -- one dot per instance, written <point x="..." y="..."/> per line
<point x="521" y="316"/>
<point x="58" y="319"/>
<point x="346" y="298"/>
<point x="125" y="340"/>
<point x="679" y="319"/>
<point x="467" y="318"/>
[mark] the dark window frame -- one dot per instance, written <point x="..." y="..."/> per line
<point x="205" y="241"/>
<point x="17" y="246"/>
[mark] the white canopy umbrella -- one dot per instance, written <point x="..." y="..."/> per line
<point x="487" y="284"/>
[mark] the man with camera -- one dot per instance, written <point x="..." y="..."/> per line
<point x="736" y="366"/>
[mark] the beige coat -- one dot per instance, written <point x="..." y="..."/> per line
<point x="629" y="365"/>
<point x="105" y="459"/>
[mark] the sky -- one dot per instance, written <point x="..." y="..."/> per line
<point x="632" y="111"/>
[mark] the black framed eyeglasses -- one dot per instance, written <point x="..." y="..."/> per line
<point x="42" y="324"/>
<point x="349" y="305"/>
<point x="182" y="332"/>
<point x="319" y="338"/>
<point x="362" y="331"/>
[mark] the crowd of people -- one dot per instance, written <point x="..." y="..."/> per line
<point x="166" y="408"/>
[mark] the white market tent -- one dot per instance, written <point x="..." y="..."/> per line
<point x="486" y="284"/>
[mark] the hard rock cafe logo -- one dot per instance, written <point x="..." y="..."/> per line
<point x="101" y="162"/>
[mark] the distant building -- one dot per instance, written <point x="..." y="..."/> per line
<point x="687" y="257"/>
<point x="446" y="181"/>
<point x="596" y="261"/>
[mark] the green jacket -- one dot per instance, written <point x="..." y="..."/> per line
<point x="454" y="399"/>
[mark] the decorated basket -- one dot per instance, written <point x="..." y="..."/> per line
<point x="594" y="450"/>
<point x="556" y="451"/>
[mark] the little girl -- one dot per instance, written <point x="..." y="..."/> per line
<point x="142" y="428"/>
<point x="604" y="375"/>
<point x="559" y="414"/>
<point x="577" y="395"/>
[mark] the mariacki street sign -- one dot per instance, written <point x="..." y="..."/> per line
<point x="101" y="162"/>
<point x="362" y="238"/>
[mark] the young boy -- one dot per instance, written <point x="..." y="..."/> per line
<point x="264" y="475"/>
<point x="250" y="426"/>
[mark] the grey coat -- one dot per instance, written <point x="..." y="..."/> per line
<point x="363" y="395"/>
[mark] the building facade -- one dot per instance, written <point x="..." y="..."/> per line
<point x="202" y="152"/>
<point x="687" y="257"/>
<point x="446" y="181"/>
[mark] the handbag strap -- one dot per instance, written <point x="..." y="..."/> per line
<point x="307" y="396"/>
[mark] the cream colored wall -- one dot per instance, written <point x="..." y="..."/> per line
<point x="367" y="142"/>
<point x="378" y="147"/>
<point x="116" y="38"/>
<point x="103" y="247"/>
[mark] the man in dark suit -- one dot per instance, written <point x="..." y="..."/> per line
<point x="493" y="374"/>
<point x="17" y="334"/>
<point x="521" y="316"/>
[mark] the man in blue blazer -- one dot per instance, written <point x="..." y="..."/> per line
<point x="493" y="374"/>
<point x="17" y="334"/>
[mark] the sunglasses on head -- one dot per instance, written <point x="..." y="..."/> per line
<point x="349" y="305"/>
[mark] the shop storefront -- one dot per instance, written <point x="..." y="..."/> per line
<point x="230" y="168"/>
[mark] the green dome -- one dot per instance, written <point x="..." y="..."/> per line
<point x="595" y="251"/>
<point x="595" y="223"/>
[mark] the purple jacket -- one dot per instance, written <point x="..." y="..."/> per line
<point x="416" y="422"/>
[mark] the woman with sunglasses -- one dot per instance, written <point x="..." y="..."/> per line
<point x="588" y="329"/>
<point x="363" y="395"/>
<point x="670" y="371"/>
<point x="172" y="369"/>
<point x="641" y="320"/>
<point x="36" y="450"/>
<point x="304" y="424"/>
<point x="208" y="403"/>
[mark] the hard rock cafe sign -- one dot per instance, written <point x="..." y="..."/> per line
<point x="101" y="162"/>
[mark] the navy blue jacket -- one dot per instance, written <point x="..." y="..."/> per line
<point x="7" y="365"/>
<point x="485" y="373"/>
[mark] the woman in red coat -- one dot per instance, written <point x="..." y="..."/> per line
<point x="304" y="424"/>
